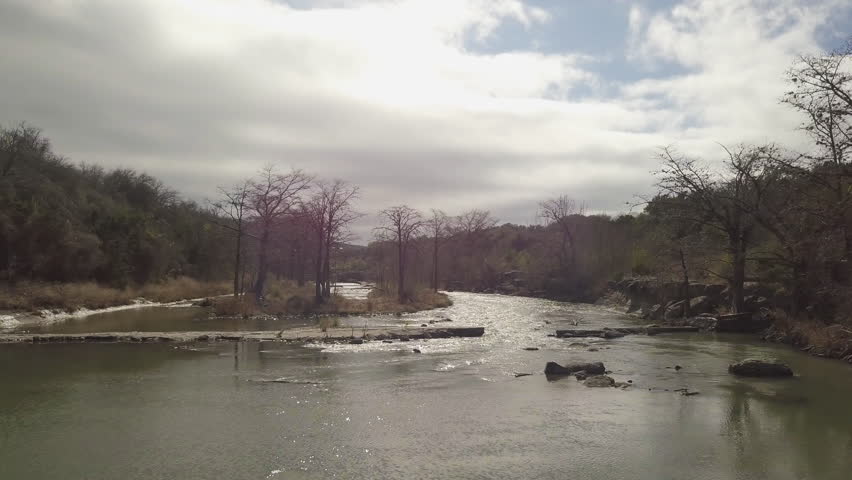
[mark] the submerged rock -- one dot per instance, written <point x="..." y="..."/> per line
<point x="594" y="368"/>
<point x="752" y="367"/>
<point x="530" y="349"/>
<point x="599" y="381"/>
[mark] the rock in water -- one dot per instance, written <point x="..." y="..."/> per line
<point x="356" y="341"/>
<point x="599" y="381"/>
<point x="594" y="368"/>
<point x="530" y="349"/>
<point x="752" y="367"/>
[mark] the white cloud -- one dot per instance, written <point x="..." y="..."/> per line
<point x="395" y="95"/>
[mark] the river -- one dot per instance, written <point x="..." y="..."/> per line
<point x="127" y="411"/>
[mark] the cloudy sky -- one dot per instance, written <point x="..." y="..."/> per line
<point x="452" y="104"/>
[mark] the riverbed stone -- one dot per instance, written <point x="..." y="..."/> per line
<point x="594" y="368"/>
<point x="752" y="367"/>
<point x="599" y="381"/>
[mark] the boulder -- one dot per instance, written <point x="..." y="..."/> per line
<point x="656" y="312"/>
<point x="593" y="368"/>
<point x="599" y="381"/>
<point x="702" y="304"/>
<point x="752" y="367"/>
<point x="674" y="310"/>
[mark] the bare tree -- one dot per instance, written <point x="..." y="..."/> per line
<point x="559" y="212"/>
<point x="315" y="212"/>
<point x="335" y="215"/>
<point x="437" y="226"/>
<point x="822" y="92"/>
<point x="724" y="201"/>
<point x="473" y="222"/>
<point x="401" y="225"/>
<point x="233" y="205"/>
<point x="17" y="145"/>
<point x="272" y="196"/>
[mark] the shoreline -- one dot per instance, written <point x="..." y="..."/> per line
<point x="12" y="319"/>
<point x="294" y="335"/>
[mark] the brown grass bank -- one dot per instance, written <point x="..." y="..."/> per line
<point x="814" y="337"/>
<point x="74" y="296"/>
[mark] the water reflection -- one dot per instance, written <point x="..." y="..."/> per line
<point x="454" y="411"/>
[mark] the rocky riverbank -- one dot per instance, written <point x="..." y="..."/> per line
<point x="658" y="301"/>
<point x="662" y="302"/>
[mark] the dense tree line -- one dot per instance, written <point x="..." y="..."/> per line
<point x="63" y="222"/>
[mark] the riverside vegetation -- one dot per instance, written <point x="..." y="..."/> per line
<point x="757" y="215"/>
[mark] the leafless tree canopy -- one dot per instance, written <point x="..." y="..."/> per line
<point x="272" y="196"/>
<point x="400" y="225"/>
<point x="472" y="222"/>
<point x="559" y="212"/>
<point x="232" y="204"/>
<point x="329" y="213"/>
<point x="822" y="91"/>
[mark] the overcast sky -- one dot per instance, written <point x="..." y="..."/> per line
<point x="451" y="104"/>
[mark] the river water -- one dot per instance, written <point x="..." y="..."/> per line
<point x="127" y="411"/>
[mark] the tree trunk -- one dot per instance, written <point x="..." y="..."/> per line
<point x="237" y="262"/>
<point x="326" y="274"/>
<point x="435" y="266"/>
<point x="686" y="296"/>
<point x="737" y="281"/>
<point x="401" y="283"/>
<point x="261" y="266"/>
<point x="318" y="272"/>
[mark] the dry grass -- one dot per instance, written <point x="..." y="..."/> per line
<point x="90" y="295"/>
<point x="829" y="340"/>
